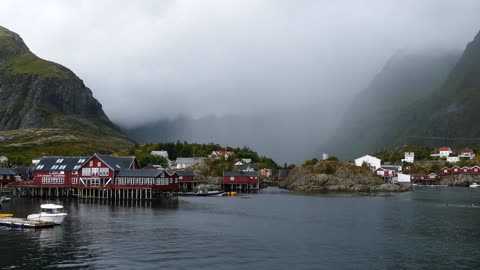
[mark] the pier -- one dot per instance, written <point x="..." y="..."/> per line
<point x="23" y="223"/>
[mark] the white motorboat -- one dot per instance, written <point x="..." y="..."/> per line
<point x="213" y="193"/>
<point x="49" y="213"/>
<point x="4" y="199"/>
<point x="474" y="185"/>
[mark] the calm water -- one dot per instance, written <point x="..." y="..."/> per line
<point x="430" y="228"/>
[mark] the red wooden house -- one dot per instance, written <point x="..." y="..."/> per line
<point x="445" y="171"/>
<point x="99" y="171"/>
<point x="57" y="171"/>
<point x="475" y="170"/>
<point x="455" y="170"/>
<point x="187" y="180"/>
<point x="243" y="181"/>
<point x="7" y="176"/>
<point x="159" y="180"/>
<point x="430" y="179"/>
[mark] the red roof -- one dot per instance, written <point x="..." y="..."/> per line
<point x="444" y="148"/>
<point x="467" y="150"/>
<point x="223" y="153"/>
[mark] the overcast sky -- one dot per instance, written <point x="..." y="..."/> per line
<point x="162" y="58"/>
<point x="150" y="60"/>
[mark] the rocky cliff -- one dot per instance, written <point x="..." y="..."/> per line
<point x="334" y="176"/>
<point x="35" y="93"/>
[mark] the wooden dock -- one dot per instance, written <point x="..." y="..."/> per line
<point x="23" y="223"/>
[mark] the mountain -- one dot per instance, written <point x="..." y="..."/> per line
<point x="35" y="93"/>
<point x="45" y="109"/>
<point x="452" y="112"/>
<point x="380" y="114"/>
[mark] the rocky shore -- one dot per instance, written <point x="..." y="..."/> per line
<point x="460" y="180"/>
<point x="334" y="176"/>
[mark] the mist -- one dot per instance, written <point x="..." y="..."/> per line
<point x="273" y="75"/>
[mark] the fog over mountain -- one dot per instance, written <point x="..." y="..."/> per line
<point x="273" y="75"/>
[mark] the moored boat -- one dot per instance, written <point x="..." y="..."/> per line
<point x="474" y="185"/>
<point x="213" y="193"/>
<point x="4" y="199"/>
<point x="49" y="213"/>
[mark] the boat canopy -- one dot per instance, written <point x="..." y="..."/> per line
<point x="51" y="206"/>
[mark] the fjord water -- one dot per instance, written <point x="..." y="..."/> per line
<point x="429" y="228"/>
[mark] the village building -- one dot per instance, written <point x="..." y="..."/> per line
<point x="467" y="153"/>
<point x="57" y="171"/>
<point x="99" y="171"/>
<point x="243" y="167"/>
<point x="221" y="154"/>
<point x="409" y="157"/>
<point x="185" y="163"/>
<point x="443" y="152"/>
<point x="392" y="166"/>
<point x="403" y="178"/>
<point x="265" y="173"/>
<point x="23" y="173"/>
<point x="426" y="180"/>
<point x="146" y="181"/>
<point x="98" y="176"/>
<point x="389" y="176"/>
<point x="241" y="181"/>
<point x="371" y="161"/>
<point x="453" y="158"/>
<point x="187" y="180"/>
<point x="6" y="176"/>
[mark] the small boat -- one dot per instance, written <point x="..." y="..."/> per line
<point x="213" y="193"/>
<point x="4" y="215"/>
<point x="474" y="185"/>
<point x="50" y="213"/>
<point x="4" y="199"/>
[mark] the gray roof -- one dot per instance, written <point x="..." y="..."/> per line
<point x="23" y="170"/>
<point x="139" y="173"/>
<point x="68" y="162"/>
<point x="117" y="163"/>
<point x="186" y="173"/>
<point x="250" y="174"/>
<point x="7" y="172"/>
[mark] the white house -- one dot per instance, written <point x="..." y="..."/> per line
<point x="409" y="157"/>
<point x="443" y="151"/>
<point x="403" y="178"/>
<point x="160" y="153"/>
<point x="183" y="163"/>
<point x="452" y="158"/>
<point x="373" y="162"/>
<point x="467" y="153"/>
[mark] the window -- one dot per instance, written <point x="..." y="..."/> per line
<point x="232" y="178"/>
<point x="103" y="172"/>
<point x="76" y="167"/>
<point x="62" y="167"/>
<point x="86" y="171"/>
<point x="99" y="164"/>
<point x="60" y="160"/>
<point x="95" y="171"/>
<point x="54" y="167"/>
<point x="82" y="160"/>
<point x="91" y="163"/>
<point x="74" y="180"/>
<point x="40" y="167"/>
